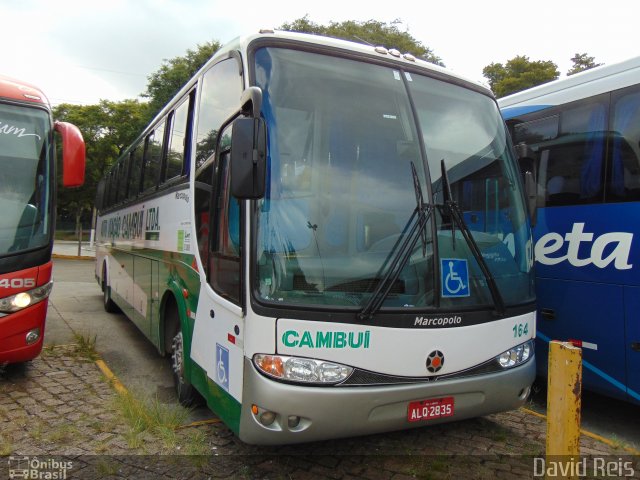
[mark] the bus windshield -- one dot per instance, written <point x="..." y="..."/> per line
<point x="25" y="178"/>
<point x="343" y="137"/>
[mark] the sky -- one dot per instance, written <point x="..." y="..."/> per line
<point x="82" y="51"/>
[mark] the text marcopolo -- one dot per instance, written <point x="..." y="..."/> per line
<point x="438" y="321"/>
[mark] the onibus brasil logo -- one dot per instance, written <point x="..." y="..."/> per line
<point x="34" y="468"/>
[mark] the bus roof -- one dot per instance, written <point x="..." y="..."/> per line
<point x="18" y="90"/>
<point x="581" y="85"/>
<point x="242" y="43"/>
<point x="386" y="51"/>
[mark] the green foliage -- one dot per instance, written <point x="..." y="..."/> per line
<point x="582" y="62"/>
<point x="370" y="32"/>
<point x="107" y="128"/>
<point x="519" y="74"/>
<point x="172" y="75"/>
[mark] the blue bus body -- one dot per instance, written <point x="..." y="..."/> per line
<point x="584" y="134"/>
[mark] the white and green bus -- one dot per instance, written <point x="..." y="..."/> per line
<point x="326" y="239"/>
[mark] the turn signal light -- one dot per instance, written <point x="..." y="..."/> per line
<point x="270" y="364"/>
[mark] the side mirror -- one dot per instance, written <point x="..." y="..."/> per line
<point x="73" y="154"/>
<point x="531" y="192"/>
<point x="527" y="163"/>
<point x="524" y="151"/>
<point x="248" y="158"/>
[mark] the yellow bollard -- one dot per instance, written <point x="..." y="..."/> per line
<point x="563" y="406"/>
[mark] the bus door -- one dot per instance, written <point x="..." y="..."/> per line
<point x="218" y="336"/>
<point x="580" y="258"/>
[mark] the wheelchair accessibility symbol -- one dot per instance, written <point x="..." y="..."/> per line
<point x="222" y="366"/>
<point x="455" y="277"/>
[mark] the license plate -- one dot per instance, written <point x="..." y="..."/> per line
<point x="430" y="409"/>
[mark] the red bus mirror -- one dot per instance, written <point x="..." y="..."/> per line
<point x="73" y="159"/>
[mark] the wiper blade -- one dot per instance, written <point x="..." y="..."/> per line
<point x="399" y="255"/>
<point x="453" y="210"/>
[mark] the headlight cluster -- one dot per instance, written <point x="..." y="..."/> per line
<point x="516" y="355"/>
<point x="24" y="299"/>
<point x="296" y="369"/>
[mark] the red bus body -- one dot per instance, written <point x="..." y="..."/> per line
<point x="27" y="212"/>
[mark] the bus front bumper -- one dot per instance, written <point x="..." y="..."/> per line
<point x="15" y="330"/>
<point x="304" y="414"/>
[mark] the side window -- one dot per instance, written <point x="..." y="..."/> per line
<point x="219" y="98"/>
<point x="570" y="148"/>
<point x="123" y="173"/>
<point x="536" y="131"/>
<point x="106" y="203"/>
<point x="153" y="157"/>
<point x="177" y="144"/>
<point x="203" y="195"/>
<point x="135" y="171"/>
<point x="113" y="186"/>
<point x="574" y="168"/>
<point x="225" y="253"/>
<point x="624" y="171"/>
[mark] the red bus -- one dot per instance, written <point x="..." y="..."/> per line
<point x="27" y="200"/>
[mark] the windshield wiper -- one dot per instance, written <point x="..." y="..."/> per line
<point x="414" y="229"/>
<point x="453" y="211"/>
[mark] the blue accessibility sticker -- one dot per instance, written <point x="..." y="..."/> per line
<point x="455" y="277"/>
<point x="222" y="366"/>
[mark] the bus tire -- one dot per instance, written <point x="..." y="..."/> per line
<point x="187" y="395"/>
<point x="109" y="305"/>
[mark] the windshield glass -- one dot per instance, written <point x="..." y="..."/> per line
<point x="25" y="178"/>
<point x="340" y="189"/>
<point x="465" y="130"/>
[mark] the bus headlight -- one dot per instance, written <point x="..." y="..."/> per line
<point x="304" y="370"/>
<point x="25" y="299"/>
<point x="516" y="355"/>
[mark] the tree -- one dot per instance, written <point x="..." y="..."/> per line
<point x="582" y="62"/>
<point x="370" y="32"/>
<point x="519" y="74"/>
<point x="172" y="75"/>
<point x="107" y="128"/>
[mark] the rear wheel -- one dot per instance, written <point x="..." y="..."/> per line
<point x="109" y="305"/>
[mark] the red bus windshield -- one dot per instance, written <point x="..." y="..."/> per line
<point x="25" y="178"/>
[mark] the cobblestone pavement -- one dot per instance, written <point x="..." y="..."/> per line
<point x="60" y="410"/>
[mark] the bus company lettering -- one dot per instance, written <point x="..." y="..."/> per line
<point x="307" y="339"/>
<point x="437" y="321"/>
<point x="7" y="129"/>
<point x="182" y="196"/>
<point x="128" y="227"/>
<point x="152" y="227"/>
<point x="153" y="219"/>
<point x="607" y="248"/>
<point x="111" y="228"/>
<point x="131" y="226"/>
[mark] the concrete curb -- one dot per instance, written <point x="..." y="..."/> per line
<point x="72" y="257"/>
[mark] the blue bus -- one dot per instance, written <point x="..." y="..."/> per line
<point x="582" y="135"/>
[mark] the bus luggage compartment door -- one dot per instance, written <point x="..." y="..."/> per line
<point x="632" y="317"/>
<point x="593" y="314"/>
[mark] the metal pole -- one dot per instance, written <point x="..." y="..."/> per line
<point x="563" y="406"/>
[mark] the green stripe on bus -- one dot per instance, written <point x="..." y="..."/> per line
<point x="218" y="400"/>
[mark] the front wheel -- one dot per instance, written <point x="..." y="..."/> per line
<point x="185" y="391"/>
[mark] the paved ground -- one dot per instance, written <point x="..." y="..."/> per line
<point x="60" y="408"/>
